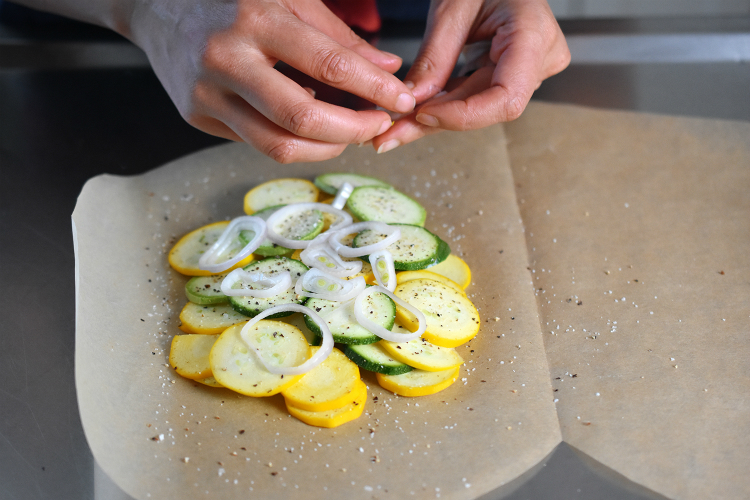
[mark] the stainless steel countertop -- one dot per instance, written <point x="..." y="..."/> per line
<point x="76" y="103"/>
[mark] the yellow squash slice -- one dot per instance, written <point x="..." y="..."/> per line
<point x="209" y="319"/>
<point x="209" y="381"/>
<point x="189" y="355"/>
<point x="418" y="382"/>
<point x="455" y="269"/>
<point x="351" y="410"/>
<point x="280" y="192"/>
<point x="405" y="276"/>
<point x="451" y="317"/>
<point x="185" y="254"/>
<point x="422" y="354"/>
<point x="327" y="386"/>
<point x="236" y="366"/>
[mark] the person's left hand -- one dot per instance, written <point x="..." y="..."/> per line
<point x="527" y="46"/>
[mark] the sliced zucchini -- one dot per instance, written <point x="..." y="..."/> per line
<point x="418" y="382"/>
<point x="333" y="418"/>
<point x="327" y="386"/>
<point x="451" y="317"/>
<point x="343" y="323"/>
<point x="330" y="183"/>
<point x="300" y="226"/>
<point x="234" y="365"/>
<point x="417" y="248"/>
<point x="374" y="358"/>
<point x="206" y="290"/>
<point x="385" y="204"/>
<point x="210" y="319"/>
<point x="252" y="306"/>
<point x="187" y="251"/>
<point x="279" y="192"/>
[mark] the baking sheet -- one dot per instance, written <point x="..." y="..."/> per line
<point x="160" y="436"/>
<point x="638" y="232"/>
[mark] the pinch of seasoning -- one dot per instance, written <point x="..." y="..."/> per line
<point x="185" y="459"/>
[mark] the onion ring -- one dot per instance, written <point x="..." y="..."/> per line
<point x="275" y="284"/>
<point x="255" y="224"/>
<point x="379" y="330"/>
<point x="393" y="234"/>
<point x="283" y="212"/>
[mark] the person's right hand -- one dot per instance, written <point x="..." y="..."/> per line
<point x="216" y="60"/>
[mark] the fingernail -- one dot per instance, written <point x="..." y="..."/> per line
<point x="385" y="126"/>
<point x="390" y="54"/>
<point x="409" y="84"/>
<point x="405" y="103"/>
<point x="428" y="120"/>
<point x="388" y="145"/>
<point x="440" y="94"/>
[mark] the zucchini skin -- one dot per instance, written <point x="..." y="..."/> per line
<point x="442" y="251"/>
<point x="367" y="364"/>
<point x="252" y="306"/>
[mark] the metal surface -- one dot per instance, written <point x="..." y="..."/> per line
<point x="64" y="119"/>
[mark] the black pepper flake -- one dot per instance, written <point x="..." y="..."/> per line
<point x="242" y="431"/>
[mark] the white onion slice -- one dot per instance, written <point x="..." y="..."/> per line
<point x="384" y="269"/>
<point x="325" y="348"/>
<point x="315" y="283"/>
<point x="378" y="330"/>
<point x="273" y="285"/>
<point x="393" y="234"/>
<point x="320" y="256"/>
<point x="280" y="214"/>
<point x="343" y="194"/>
<point x="208" y="261"/>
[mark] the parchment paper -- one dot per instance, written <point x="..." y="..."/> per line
<point x="638" y="231"/>
<point x="160" y="436"/>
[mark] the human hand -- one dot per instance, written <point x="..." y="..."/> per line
<point x="526" y="47"/>
<point x="216" y="61"/>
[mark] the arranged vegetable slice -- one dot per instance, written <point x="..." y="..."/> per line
<point x="236" y="367"/>
<point x="327" y="386"/>
<point x="363" y="313"/>
<point x="317" y="284"/>
<point x="342" y="320"/>
<point x="271" y="266"/>
<point x="417" y="248"/>
<point x="455" y="269"/>
<point x="374" y="358"/>
<point x="383" y="269"/>
<point x="186" y="253"/>
<point x="304" y="225"/>
<point x="333" y="418"/>
<point x="280" y="222"/>
<point x="422" y="354"/>
<point x="209" y="319"/>
<point x="223" y="254"/>
<point x="330" y="183"/>
<point x="188" y="355"/>
<point x="405" y="276"/>
<point x="279" y="192"/>
<point x="209" y="381"/>
<point x="385" y="204"/>
<point x="418" y="382"/>
<point x="241" y="283"/>
<point x="382" y="235"/>
<point x="206" y="290"/>
<point x="451" y="317"/>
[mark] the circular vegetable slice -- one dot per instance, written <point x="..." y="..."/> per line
<point x="205" y="290"/>
<point x="374" y="358"/>
<point x="252" y="306"/>
<point x="405" y="276"/>
<point x="418" y="382"/>
<point x="454" y="268"/>
<point x="422" y="354"/>
<point x="385" y="204"/>
<point x="236" y="367"/>
<point x="186" y="253"/>
<point x="303" y="225"/>
<point x="334" y="418"/>
<point x="209" y="381"/>
<point x="215" y="318"/>
<point x="451" y="317"/>
<point x="342" y="321"/>
<point x="416" y="249"/>
<point x="330" y="183"/>
<point x="327" y="386"/>
<point x="188" y="355"/>
<point x="279" y="192"/>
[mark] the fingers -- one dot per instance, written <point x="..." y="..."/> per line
<point x="447" y="30"/>
<point x="407" y="129"/>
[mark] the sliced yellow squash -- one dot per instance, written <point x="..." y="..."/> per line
<point x="327" y="386"/>
<point x="208" y="319"/>
<point x="451" y="317"/>
<point x="209" y="381"/>
<point x="405" y="276"/>
<point x="280" y="192"/>
<point x="418" y="382"/>
<point x="422" y="354"/>
<point x="455" y="269"/>
<point x="236" y="366"/>
<point x="353" y="408"/>
<point x="189" y="355"/>
<point x="187" y="251"/>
